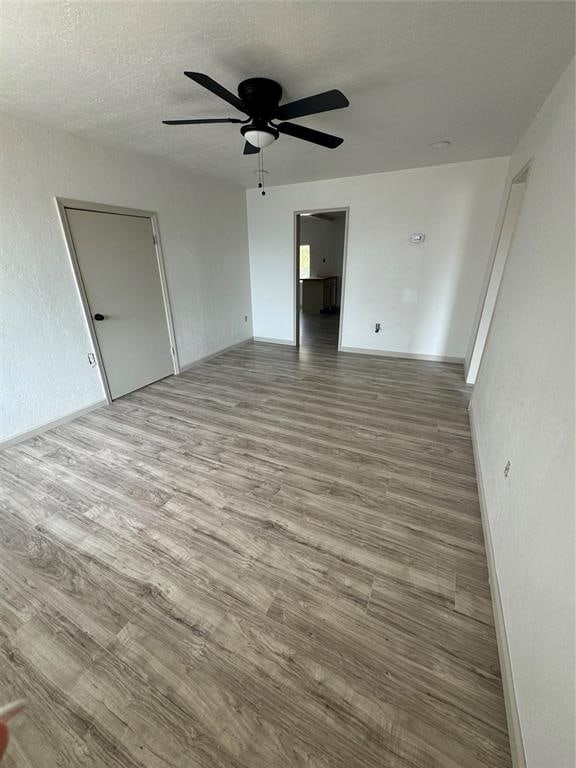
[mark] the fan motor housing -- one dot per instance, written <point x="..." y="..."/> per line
<point x="261" y="97"/>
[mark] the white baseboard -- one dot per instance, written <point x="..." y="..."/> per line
<point x="200" y="360"/>
<point x="51" y="424"/>
<point x="405" y="355"/>
<point x="514" y="728"/>
<point x="268" y="340"/>
<point x="76" y="414"/>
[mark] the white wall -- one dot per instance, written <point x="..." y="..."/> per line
<point x="326" y="241"/>
<point x="503" y="241"/>
<point x="45" y="373"/>
<point x="425" y="296"/>
<point x="523" y="411"/>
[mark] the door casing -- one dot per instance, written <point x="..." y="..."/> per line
<point x="345" y="209"/>
<point x="66" y="203"/>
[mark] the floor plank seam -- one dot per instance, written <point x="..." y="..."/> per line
<point x="274" y="559"/>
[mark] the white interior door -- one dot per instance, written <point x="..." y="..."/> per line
<point x="117" y="258"/>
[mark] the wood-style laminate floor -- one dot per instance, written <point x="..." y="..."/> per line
<point x="273" y="560"/>
<point x="319" y="331"/>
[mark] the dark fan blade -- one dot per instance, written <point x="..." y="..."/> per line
<point x="316" y="137"/>
<point x="216" y="88"/>
<point x="250" y="149"/>
<point x="321" y="102"/>
<point x="205" y="121"/>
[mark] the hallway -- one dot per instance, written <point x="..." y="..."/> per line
<point x="319" y="332"/>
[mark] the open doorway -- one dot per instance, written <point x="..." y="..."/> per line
<point x="507" y="230"/>
<point x="320" y="266"/>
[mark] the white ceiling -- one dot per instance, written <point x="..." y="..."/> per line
<point x="414" y="72"/>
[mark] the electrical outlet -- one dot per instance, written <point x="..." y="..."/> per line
<point x="245" y="318"/>
<point x="91" y="359"/>
<point x="377" y="328"/>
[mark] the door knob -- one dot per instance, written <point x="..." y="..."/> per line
<point x="98" y="316"/>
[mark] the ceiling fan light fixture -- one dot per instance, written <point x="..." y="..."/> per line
<point x="259" y="136"/>
<point x="259" y="99"/>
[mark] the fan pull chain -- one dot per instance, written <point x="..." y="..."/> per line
<point x="261" y="171"/>
<point x="261" y="153"/>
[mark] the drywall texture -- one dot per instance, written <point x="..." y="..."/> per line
<point x="414" y="72"/>
<point x="424" y="296"/>
<point x="45" y="371"/>
<point x="523" y="411"/>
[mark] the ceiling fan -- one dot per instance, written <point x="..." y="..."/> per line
<point x="259" y="99"/>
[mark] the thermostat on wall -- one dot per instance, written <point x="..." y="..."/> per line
<point x="417" y="238"/>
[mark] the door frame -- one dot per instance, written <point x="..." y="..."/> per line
<point x="296" y="275"/>
<point x="477" y="347"/>
<point x="62" y="205"/>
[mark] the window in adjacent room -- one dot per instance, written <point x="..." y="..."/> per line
<point x="304" y="262"/>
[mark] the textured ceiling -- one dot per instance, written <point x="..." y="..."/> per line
<point x="414" y="72"/>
